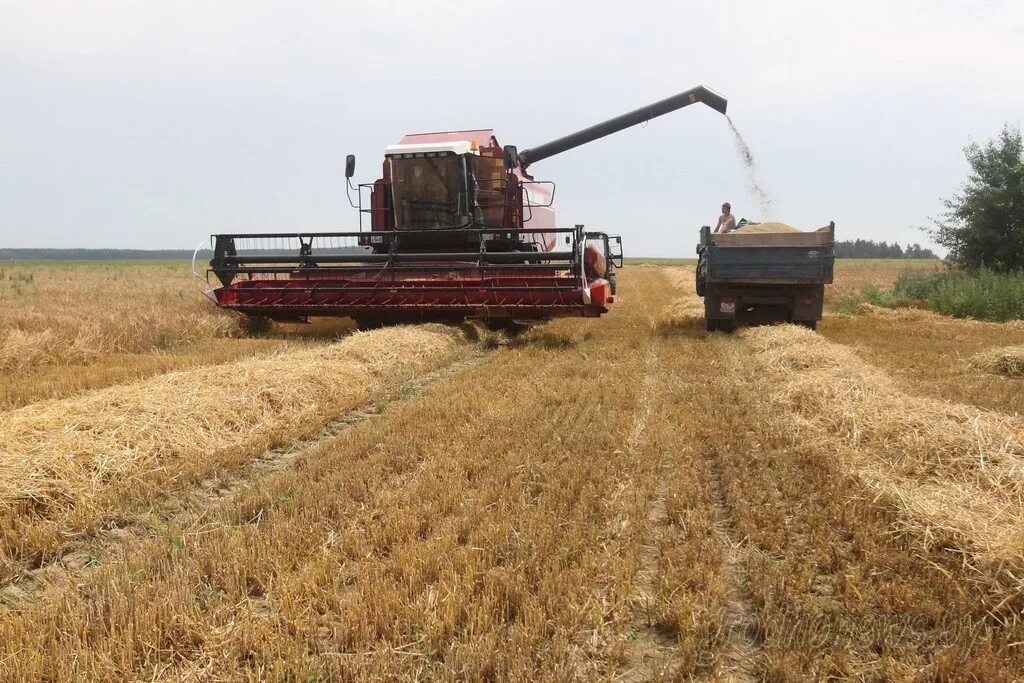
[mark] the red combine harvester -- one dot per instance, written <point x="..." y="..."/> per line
<point x="457" y="230"/>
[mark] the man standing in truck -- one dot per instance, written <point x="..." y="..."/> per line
<point x="726" y="222"/>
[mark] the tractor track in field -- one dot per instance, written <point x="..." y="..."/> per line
<point x="740" y="652"/>
<point x="741" y="643"/>
<point x="652" y="652"/>
<point x="186" y="509"/>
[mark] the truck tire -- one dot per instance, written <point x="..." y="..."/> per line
<point x="699" y="284"/>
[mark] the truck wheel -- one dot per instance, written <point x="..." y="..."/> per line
<point x="700" y="285"/>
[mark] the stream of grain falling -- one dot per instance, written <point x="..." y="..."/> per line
<point x="761" y="196"/>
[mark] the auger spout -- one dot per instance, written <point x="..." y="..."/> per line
<point x="692" y="96"/>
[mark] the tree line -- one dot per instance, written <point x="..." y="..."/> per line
<point x="870" y="249"/>
<point x="98" y="254"/>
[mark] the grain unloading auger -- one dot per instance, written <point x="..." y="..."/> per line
<point x="457" y="229"/>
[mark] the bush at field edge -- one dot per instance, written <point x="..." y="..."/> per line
<point x="981" y="294"/>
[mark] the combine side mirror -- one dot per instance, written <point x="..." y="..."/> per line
<point x="350" y="165"/>
<point x="511" y="156"/>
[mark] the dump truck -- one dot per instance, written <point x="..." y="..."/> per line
<point x="753" y="278"/>
<point x="454" y="228"/>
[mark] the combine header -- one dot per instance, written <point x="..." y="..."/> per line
<point x="457" y="229"/>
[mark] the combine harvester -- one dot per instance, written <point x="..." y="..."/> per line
<point x="458" y="230"/>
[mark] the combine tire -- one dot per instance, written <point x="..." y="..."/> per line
<point x="256" y="325"/>
<point x="506" y="325"/>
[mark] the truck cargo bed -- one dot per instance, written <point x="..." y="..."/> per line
<point x="769" y="258"/>
<point x="756" y="278"/>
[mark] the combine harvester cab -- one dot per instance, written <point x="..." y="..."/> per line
<point x="454" y="229"/>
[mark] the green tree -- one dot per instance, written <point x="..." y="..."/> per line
<point x="983" y="225"/>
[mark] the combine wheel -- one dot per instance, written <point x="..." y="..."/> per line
<point x="365" y="323"/>
<point x="506" y="325"/>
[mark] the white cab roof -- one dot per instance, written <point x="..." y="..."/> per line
<point x="456" y="146"/>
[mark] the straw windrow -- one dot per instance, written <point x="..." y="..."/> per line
<point x="686" y="310"/>
<point x="1006" y="360"/>
<point x="63" y="452"/>
<point x="950" y="465"/>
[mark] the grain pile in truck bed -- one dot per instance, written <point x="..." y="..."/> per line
<point x="766" y="227"/>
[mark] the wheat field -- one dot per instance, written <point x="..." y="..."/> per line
<point x="629" y="498"/>
<point x="65" y="328"/>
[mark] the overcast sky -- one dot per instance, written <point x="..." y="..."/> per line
<point x="151" y="125"/>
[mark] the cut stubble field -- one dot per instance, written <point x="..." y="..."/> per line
<point x="625" y="498"/>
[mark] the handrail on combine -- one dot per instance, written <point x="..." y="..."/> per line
<point x="207" y="292"/>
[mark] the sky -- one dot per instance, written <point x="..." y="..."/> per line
<point x="155" y="124"/>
